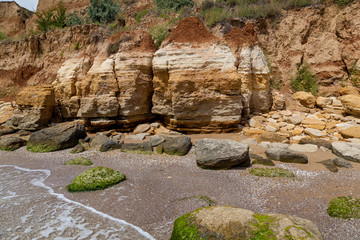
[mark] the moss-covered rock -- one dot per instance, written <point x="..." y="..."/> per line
<point x="78" y="149"/>
<point x="344" y="207"/>
<point x="260" y="160"/>
<point x="271" y="172"/>
<point x="11" y="143"/>
<point x="223" y="222"/>
<point x="95" y="178"/>
<point x="79" y="161"/>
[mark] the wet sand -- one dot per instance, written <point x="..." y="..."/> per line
<point x="158" y="186"/>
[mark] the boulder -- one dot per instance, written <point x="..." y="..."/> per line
<point x="306" y="99"/>
<point x="137" y="137"/>
<point x="349" y="90"/>
<point x="292" y="157"/>
<point x="351" y="132"/>
<point x="221" y="154"/>
<point x="340" y="162"/>
<point x="176" y="145"/>
<point x="296" y="120"/>
<point x="348" y="151"/>
<point x="6" y="112"/>
<point x="141" y="128"/>
<point x="34" y="108"/>
<point x="11" y="143"/>
<point x="313" y="123"/>
<point x="98" y="140"/>
<point x="109" y="145"/>
<point x="224" y="222"/>
<point x="315" y="132"/>
<point x="58" y="137"/>
<point x="323" y="102"/>
<point x="278" y="100"/>
<point x="156" y="140"/>
<point x="137" y="147"/>
<point x="351" y="104"/>
<point x="274" y="153"/>
<point x="6" y="131"/>
<point x="78" y="149"/>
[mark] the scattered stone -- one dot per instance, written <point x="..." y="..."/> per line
<point x="221" y="154"/>
<point x="155" y="125"/>
<point x="79" y="161"/>
<point x="251" y="132"/>
<point x="138" y="137"/>
<point x="271" y="172"/>
<point x="344" y="207"/>
<point x="110" y="132"/>
<point x="303" y="147"/>
<point x="109" y="145"/>
<point x="279" y="145"/>
<point x="144" y="147"/>
<point x="349" y="90"/>
<point x="177" y="145"/>
<point x="156" y="140"/>
<point x="23" y="133"/>
<point x="340" y="162"/>
<point x="323" y="102"/>
<point x="317" y="141"/>
<point x="159" y="149"/>
<point x="260" y="160"/>
<point x="61" y="136"/>
<point x="271" y="137"/>
<point x="95" y="178"/>
<point x="315" y="132"/>
<point x="142" y="128"/>
<point x="348" y="151"/>
<point x="274" y="153"/>
<point x="269" y="128"/>
<point x="278" y="100"/>
<point x="292" y="157"/>
<point x="255" y="123"/>
<point x="249" y="141"/>
<point x="98" y="140"/>
<point x="275" y="116"/>
<point x="236" y="223"/>
<point x="78" y="149"/>
<point x="265" y="144"/>
<point x="329" y="164"/>
<point x="11" y="143"/>
<point x="306" y="99"/>
<point x="117" y="137"/>
<point x="351" y="132"/>
<point x="313" y="123"/>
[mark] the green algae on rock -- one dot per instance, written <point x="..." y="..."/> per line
<point x="95" y="178"/>
<point x="271" y="172"/>
<point x="224" y="222"/>
<point x="344" y="207"/>
<point x="79" y="161"/>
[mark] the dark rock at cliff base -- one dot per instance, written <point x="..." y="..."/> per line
<point x="61" y="136"/>
<point x="11" y="143"/>
<point x="177" y="145"/>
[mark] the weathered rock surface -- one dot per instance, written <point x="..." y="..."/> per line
<point x="6" y="112"/>
<point x="224" y="222"/>
<point x="119" y="85"/>
<point x="141" y="147"/>
<point x="6" y="131"/>
<point x="11" y="143"/>
<point x="292" y="157"/>
<point x="34" y="108"/>
<point x="61" y="136"/>
<point x="351" y="104"/>
<point x="109" y="145"/>
<point x="303" y="147"/>
<point x="13" y="18"/>
<point x="201" y="85"/>
<point x="351" y="132"/>
<point x="316" y="141"/>
<point x="220" y="154"/>
<point x="349" y="90"/>
<point x="98" y="140"/>
<point x="70" y="5"/>
<point x="305" y="98"/>
<point x="176" y="145"/>
<point x="340" y="162"/>
<point x="348" y="151"/>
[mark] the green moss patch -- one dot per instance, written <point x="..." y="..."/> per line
<point x="271" y="172"/>
<point x="79" y="161"/>
<point x="95" y="178"/>
<point x="344" y="207"/>
<point x="184" y="228"/>
<point x="262" y="229"/>
<point x="41" y="148"/>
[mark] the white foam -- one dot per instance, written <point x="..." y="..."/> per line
<point x="40" y="183"/>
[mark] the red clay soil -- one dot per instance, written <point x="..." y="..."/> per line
<point x="133" y="41"/>
<point x="191" y="30"/>
<point x="238" y="37"/>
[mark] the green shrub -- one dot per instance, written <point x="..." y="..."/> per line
<point x="344" y="207"/>
<point x="215" y="15"/>
<point x="343" y="3"/>
<point x="354" y="74"/>
<point x="103" y="11"/>
<point x="74" y="19"/>
<point x="3" y="36"/>
<point x="174" y="4"/>
<point x="76" y="46"/>
<point x="53" y="18"/>
<point x="159" y="33"/>
<point x="140" y="15"/>
<point x="305" y="80"/>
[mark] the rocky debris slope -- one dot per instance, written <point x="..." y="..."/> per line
<point x="13" y="18"/>
<point x="113" y="89"/>
<point x="201" y="83"/>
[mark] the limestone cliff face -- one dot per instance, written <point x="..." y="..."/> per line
<point x="115" y="88"/>
<point x="326" y="37"/>
<point x="13" y="18"/>
<point x="201" y="85"/>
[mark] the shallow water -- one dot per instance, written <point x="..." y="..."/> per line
<point x="31" y="210"/>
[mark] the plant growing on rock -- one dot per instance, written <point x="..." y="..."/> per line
<point x="3" y="36"/>
<point x="305" y="80"/>
<point x="102" y="11"/>
<point x="344" y="207"/>
<point x="74" y="19"/>
<point x="53" y="18"/>
<point x="271" y="172"/>
<point x="159" y="33"/>
<point x="174" y="4"/>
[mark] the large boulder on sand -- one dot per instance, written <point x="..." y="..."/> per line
<point x="305" y="98"/>
<point x="223" y="222"/>
<point x="61" y="136"/>
<point x="176" y="145"/>
<point x="11" y="143"/>
<point x="348" y="151"/>
<point x="219" y="154"/>
<point x="351" y="104"/>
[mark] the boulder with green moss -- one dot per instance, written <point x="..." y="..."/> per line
<point x="271" y="172"/>
<point x="223" y="222"/>
<point x="58" y="137"/>
<point x="344" y="207"/>
<point x="11" y="143"/>
<point x="79" y="161"/>
<point x="95" y="178"/>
